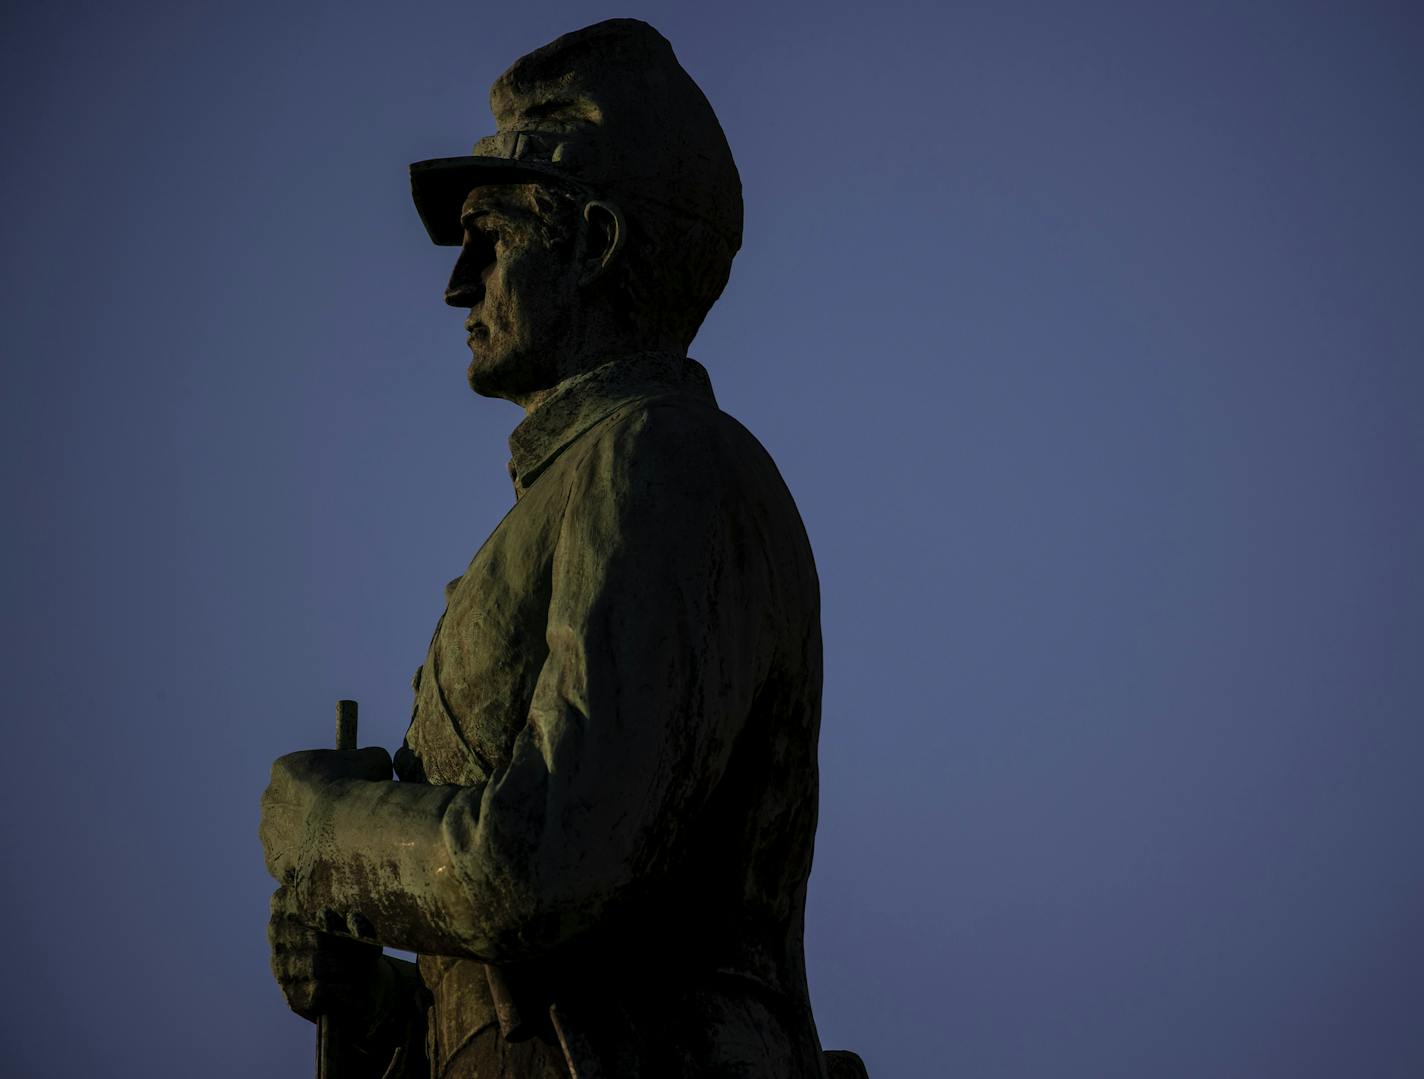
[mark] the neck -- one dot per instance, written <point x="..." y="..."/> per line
<point x="599" y="350"/>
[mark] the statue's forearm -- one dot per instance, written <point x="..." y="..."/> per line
<point x="375" y="858"/>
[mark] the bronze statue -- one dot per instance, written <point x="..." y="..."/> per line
<point x="601" y="831"/>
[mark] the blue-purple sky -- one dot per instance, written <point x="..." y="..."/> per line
<point x="1089" y="338"/>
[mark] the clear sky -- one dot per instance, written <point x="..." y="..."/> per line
<point x="1088" y="337"/>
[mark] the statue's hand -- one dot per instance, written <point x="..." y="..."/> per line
<point x="322" y="974"/>
<point x="297" y="780"/>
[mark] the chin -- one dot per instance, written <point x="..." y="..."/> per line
<point x="511" y="377"/>
<point x="485" y="382"/>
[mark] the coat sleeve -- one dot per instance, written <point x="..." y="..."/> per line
<point x="656" y="639"/>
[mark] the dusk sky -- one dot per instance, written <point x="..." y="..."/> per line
<point x="1088" y="338"/>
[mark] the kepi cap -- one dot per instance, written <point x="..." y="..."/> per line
<point x="607" y="110"/>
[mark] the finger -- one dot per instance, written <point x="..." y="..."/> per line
<point x="284" y="908"/>
<point x="302" y="995"/>
<point x="318" y="766"/>
<point x="286" y="933"/>
<point x="281" y="864"/>
<point x="283" y="904"/>
<point x="278" y="830"/>
<point x="372" y="763"/>
<point x="324" y="980"/>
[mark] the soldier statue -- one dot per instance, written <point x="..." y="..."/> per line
<point x="599" y="832"/>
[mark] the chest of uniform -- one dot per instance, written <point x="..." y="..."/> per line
<point x="474" y="689"/>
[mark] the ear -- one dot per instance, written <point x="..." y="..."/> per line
<point x="606" y="233"/>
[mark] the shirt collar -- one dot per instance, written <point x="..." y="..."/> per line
<point x="579" y="402"/>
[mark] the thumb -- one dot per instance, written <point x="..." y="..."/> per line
<point x="371" y="763"/>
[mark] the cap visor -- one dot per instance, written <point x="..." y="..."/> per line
<point x="441" y="185"/>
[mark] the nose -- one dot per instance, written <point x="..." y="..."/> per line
<point x="467" y="280"/>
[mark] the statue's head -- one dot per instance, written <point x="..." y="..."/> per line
<point x="601" y="217"/>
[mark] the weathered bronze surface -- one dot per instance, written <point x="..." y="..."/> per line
<point x="601" y="830"/>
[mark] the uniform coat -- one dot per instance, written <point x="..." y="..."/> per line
<point x="608" y="789"/>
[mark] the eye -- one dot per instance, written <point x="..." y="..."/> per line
<point x="480" y="242"/>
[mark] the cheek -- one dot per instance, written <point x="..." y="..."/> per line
<point x="539" y="298"/>
<point x="501" y="300"/>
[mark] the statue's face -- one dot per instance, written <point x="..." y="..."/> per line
<point x="522" y="293"/>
